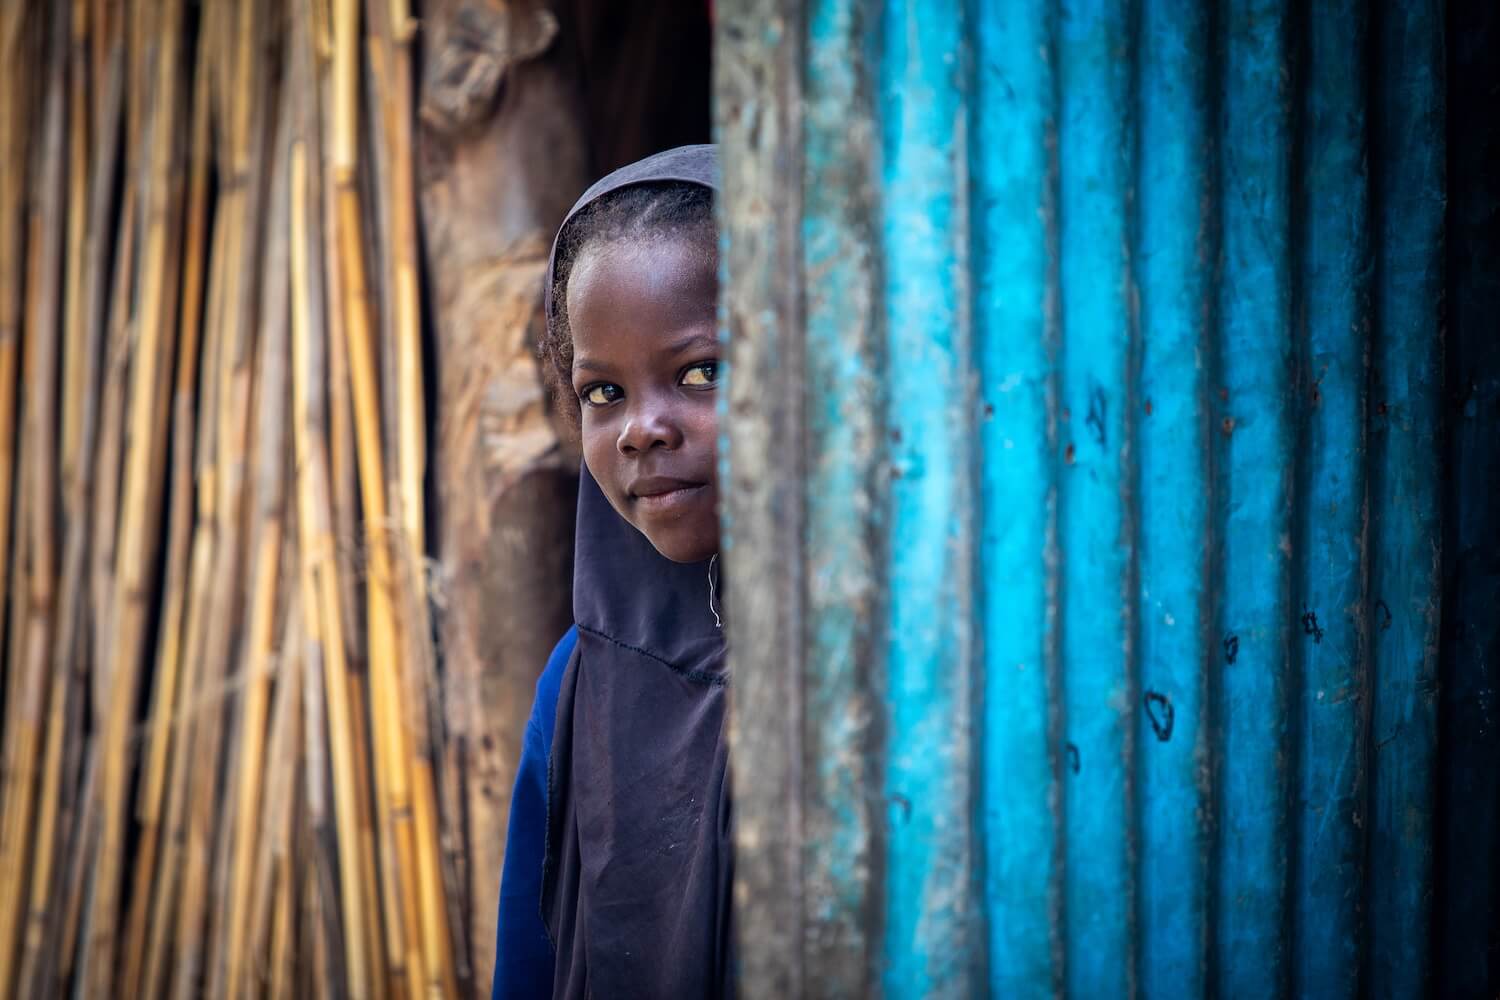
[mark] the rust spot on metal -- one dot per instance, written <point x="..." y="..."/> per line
<point x="1069" y="453"/>
<point x="896" y="435"/>
<point x="1227" y="426"/>
<point x="1148" y="407"/>
<point x="1224" y="393"/>
<point x="1098" y="405"/>
<point x="989" y="410"/>
<point x="1310" y="625"/>
<point x="903" y="805"/>
<point x="1161" y="714"/>
<point x="1382" y="408"/>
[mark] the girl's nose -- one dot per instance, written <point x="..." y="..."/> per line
<point x="649" y="425"/>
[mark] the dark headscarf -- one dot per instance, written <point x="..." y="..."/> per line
<point x="636" y="881"/>
<point x="686" y="164"/>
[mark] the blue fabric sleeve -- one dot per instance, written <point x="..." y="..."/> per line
<point x="523" y="954"/>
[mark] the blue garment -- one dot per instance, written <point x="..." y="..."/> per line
<point x="523" y="954"/>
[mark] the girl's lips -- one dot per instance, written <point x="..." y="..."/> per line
<point x="670" y="500"/>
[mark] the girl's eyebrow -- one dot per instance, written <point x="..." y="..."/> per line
<point x="685" y="343"/>
<point x="696" y="339"/>
<point x="591" y="365"/>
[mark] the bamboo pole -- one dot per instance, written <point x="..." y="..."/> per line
<point x="13" y="173"/>
<point x="43" y="287"/>
<point x="315" y="322"/>
<point x="266" y="512"/>
<point x="239" y="209"/>
<point x="110" y="325"/>
<point x="190" y="725"/>
<point x="273" y="842"/>
<point x="144" y="461"/>
<point x="345" y="496"/>
<point x="168" y="682"/>
<point x="14" y="156"/>
<point x="75" y="358"/>
<point x="404" y="941"/>
<point x="390" y="58"/>
<point x="337" y="466"/>
<point x="110" y="450"/>
<point x="85" y="298"/>
<point x="18" y="621"/>
<point x="322" y="607"/>
<point x="192" y="737"/>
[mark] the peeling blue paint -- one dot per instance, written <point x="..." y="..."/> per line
<point x="1121" y="386"/>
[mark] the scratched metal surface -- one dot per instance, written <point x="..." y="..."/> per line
<point x="1111" y="592"/>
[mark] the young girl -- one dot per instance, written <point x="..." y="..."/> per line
<point x="618" y="864"/>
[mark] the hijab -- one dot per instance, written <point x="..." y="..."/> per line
<point x="639" y="864"/>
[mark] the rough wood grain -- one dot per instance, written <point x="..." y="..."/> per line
<point x="501" y="157"/>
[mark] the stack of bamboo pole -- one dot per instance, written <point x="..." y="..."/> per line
<point x="220" y="725"/>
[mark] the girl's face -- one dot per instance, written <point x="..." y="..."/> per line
<point x="645" y="367"/>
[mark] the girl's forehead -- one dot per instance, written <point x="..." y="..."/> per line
<point x="680" y="261"/>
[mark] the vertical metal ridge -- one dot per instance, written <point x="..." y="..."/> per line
<point x="1255" y="331"/>
<point x="1052" y="545"/>
<point x="757" y="83"/>
<point x="1333" y="253"/>
<point x="1175" y="263"/>
<point x="931" y="942"/>
<point x="1222" y="645"/>
<point x="1013" y="225"/>
<point x="1406" y="562"/>
<point x="1095" y="150"/>
<point x="845" y="500"/>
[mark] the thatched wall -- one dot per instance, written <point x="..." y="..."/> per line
<point x="285" y="524"/>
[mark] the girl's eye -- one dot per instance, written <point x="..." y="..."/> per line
<point x="701" y="376"/>
<point x="601" y="394"/>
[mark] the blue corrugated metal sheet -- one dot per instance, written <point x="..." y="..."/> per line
<point x="1087" y="535"/>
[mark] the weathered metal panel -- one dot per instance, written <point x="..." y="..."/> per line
<point x="1096" y="527"/>
<point x="1254" y="496"/>
<point x="844" y="499"/>
<point x="1405" y="471"/>
<point x="1179" y="649"/>
<point x="1086" y="533"/>
<point x="931" y="932"/>
<point x="1014" y="245"/>
<point x="1330" y="541"/>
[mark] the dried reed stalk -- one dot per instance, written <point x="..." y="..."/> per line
<point x="322" y="609"/>
<point x="273" y="840"/>
<point x="85" y="298"/>
<point x="191" y="737"/>
<point x="26" y="713"/>
<point x="348" y="833"/>
<point x="167" y="676"/>
<point x="391" y="78"/>
<point x="75" y="357"/>
<point x="14" y="99"/>
<point x="401" y="879"/>
<point x="144" y="465"/>
<point x="267" y="523"/>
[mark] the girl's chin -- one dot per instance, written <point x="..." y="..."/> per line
<point x="683" y="545"/>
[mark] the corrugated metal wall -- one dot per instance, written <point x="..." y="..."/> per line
<point x="1086" y="435"/>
